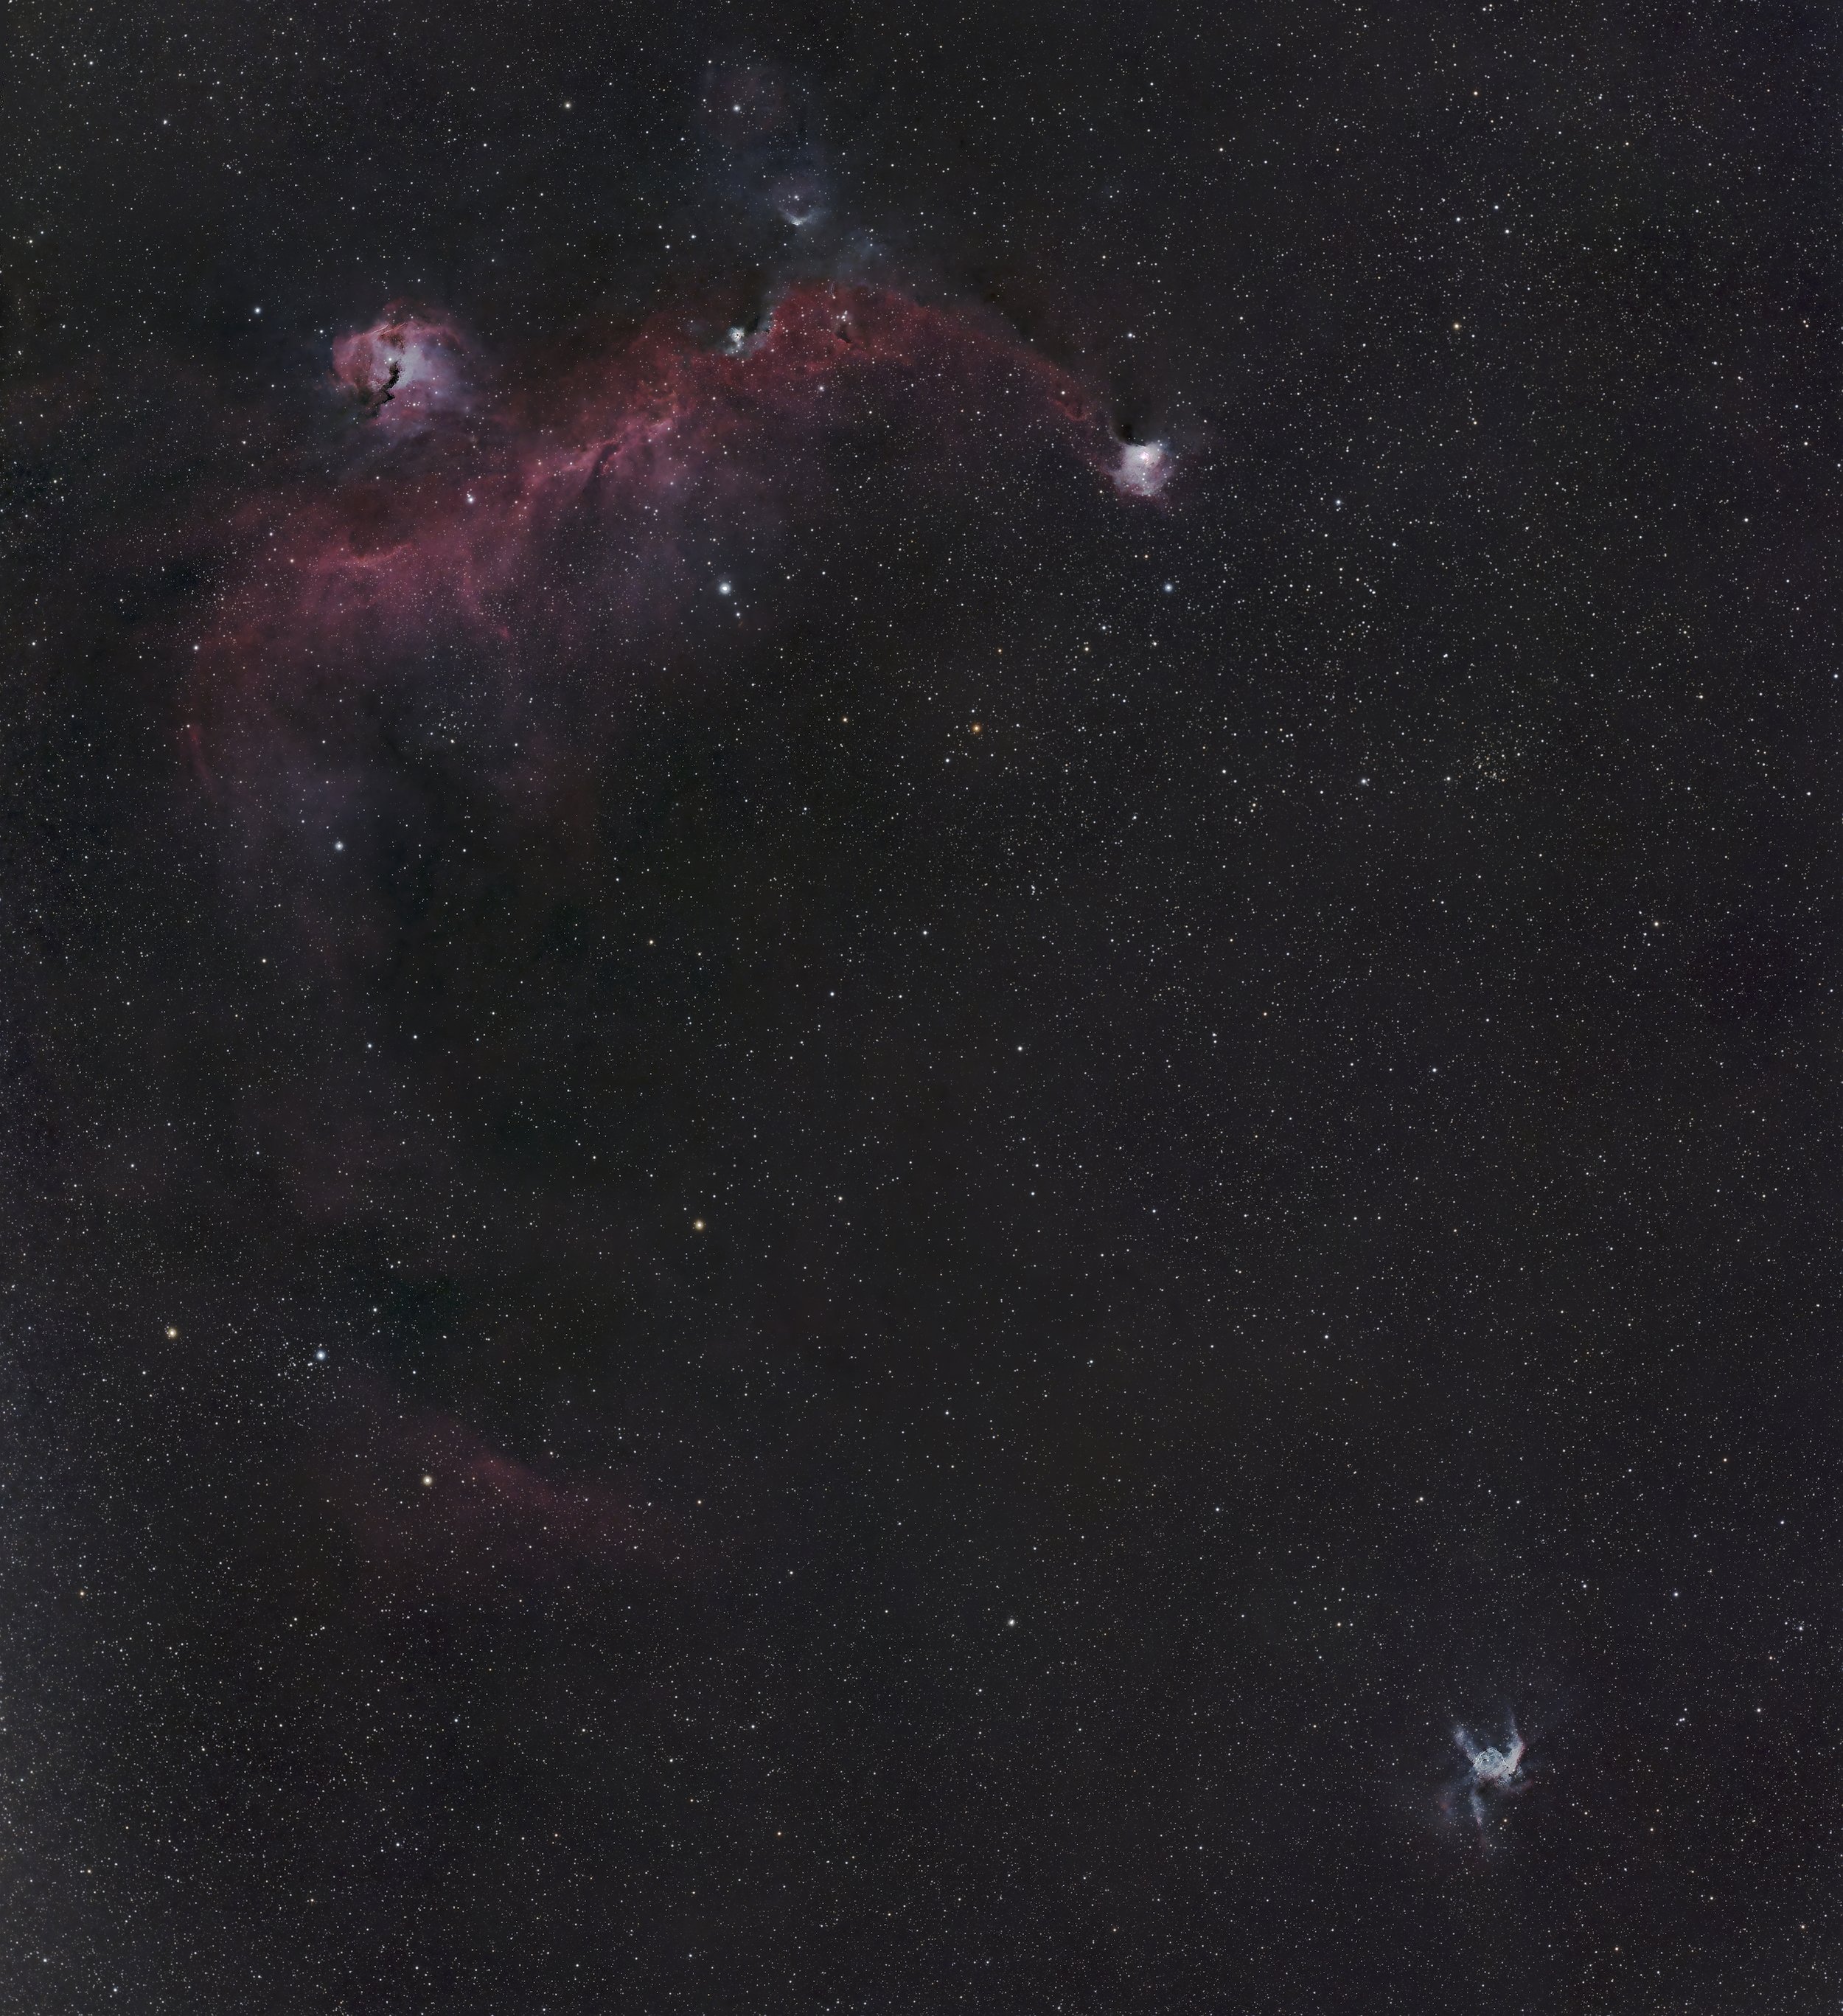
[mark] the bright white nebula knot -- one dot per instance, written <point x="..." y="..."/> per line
<point x="1142" y="469"/>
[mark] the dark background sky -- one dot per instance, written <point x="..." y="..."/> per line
<point x="1008" y="1327"/>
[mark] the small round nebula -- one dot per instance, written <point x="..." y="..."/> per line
<point x="403" y="368"/>
<point x="797" y="197"/>
<point x="1144" y="468"/>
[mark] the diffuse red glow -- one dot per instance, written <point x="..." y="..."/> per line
<point x="431" y="1502"/>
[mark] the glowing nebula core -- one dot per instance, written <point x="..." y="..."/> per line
<point x="1142" y="469"/>
<point x="403" y="370"/>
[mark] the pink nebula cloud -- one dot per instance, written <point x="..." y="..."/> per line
<point x="403" y="370"/>
<point x="555" y="520"/>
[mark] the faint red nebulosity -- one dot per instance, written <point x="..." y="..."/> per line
<point x="500" y="557"/>
<point x="436" y="1508"/>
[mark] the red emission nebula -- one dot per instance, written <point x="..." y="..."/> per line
<point x="496" y="560"/>
<point x="553" y="515"/>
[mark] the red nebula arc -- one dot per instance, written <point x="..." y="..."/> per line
<point x="518" y="546"/>
<point x="498" y="557"/>
<point x="547" y="504"/>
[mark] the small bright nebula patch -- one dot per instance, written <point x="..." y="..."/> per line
<point x="1144" y="469"/>
<point x="1493" y="1774"/>
<point x="403" y="368"/>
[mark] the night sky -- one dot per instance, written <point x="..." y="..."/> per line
<point x="920" y="1051"/>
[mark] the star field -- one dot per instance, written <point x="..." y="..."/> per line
<point x="918" y="1076"/>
